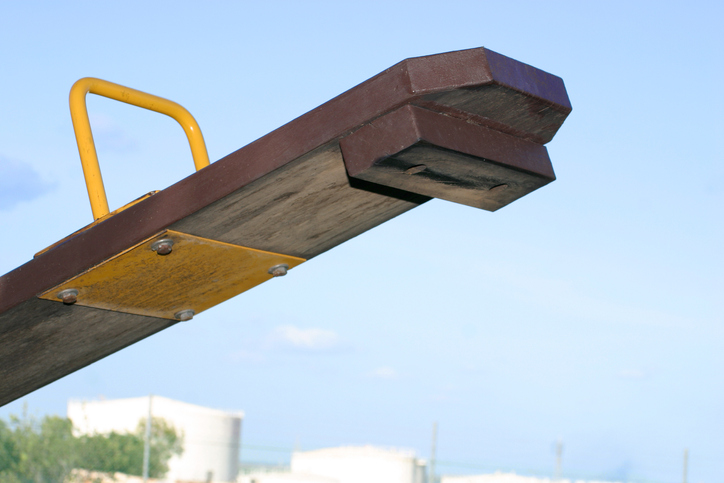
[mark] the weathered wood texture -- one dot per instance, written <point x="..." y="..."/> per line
<point x="425" y="152"/>
<point x="42" y="340"/>
<point x="302" y="209"/>
<point x="287" y="192"/>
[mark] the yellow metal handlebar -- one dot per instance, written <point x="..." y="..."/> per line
<point x="84" y="136"/>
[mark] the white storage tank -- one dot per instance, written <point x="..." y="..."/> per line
<point x="361" y="464"/>
<point x="212" y="438"/>
<point x="283" y="477"/>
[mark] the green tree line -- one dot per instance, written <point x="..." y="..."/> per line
<point x="46" y="450"/>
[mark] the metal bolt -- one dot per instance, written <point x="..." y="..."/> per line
<point x="416" y="169"/>
<point x="69" y="296"/>
<point x="184" y="315"/>
<point x="162" y="247"/>
<point x="279" y="270"/>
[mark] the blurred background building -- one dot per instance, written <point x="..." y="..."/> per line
<point x="499" y="477"/>
<point x="347" y="464"/>
<point x="211" y="437"/>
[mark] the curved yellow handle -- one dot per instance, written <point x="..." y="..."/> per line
<point x="84" y="136"/>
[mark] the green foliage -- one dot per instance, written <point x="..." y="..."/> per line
<point x="124" y="452"/>
<point x="165" y="443"/>
<point x="47" y="451"/>
<point x="8" y="450"/>
<point x="37" y="452"/>
<point x="110" y="453"/>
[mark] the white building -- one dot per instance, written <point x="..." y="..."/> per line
<point x="212" y="438"/>
<point x="352" y="464"/>
<point x="499" y="477"/>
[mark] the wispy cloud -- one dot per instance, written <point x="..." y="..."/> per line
<point x="289" y="339"/>
<point x="20" y="182"/>
<point x="311" y="339"/>
<point x="384" y="372"/>
<point x="110" y="136"/>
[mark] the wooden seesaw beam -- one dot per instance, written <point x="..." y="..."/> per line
<point x="467" y="126"/>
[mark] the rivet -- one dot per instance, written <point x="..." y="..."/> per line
<point x="416" y="169"/>
<point x="69" y="296"/>
<point x="184" y="315"/>
<point x="163" y="246"/>
<point x="279" y="270"/>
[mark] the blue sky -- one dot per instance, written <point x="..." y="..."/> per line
<point x="589" y="310"/>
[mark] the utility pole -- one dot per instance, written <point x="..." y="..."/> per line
<point x="431" y="476"/>
<point x="559" y="458"/>
<point x="147" y="440"/>
<point x="686" y="462"/>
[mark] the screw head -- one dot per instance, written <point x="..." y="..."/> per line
<point x="69" y="296"/>
<point x="163" y="246"/>
<point x="184" y="315"/>
<point x="279" y="270"/>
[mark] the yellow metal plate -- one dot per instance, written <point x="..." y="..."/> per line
<point x="196" y="275"/>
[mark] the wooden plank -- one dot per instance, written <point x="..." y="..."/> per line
<point x="43" y="341"/>
<point x="302" y="209"/>
<point x="425" y="152"/>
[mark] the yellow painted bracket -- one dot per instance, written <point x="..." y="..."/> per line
<point x="84" y="136"/>
<point x="172" y="275"/>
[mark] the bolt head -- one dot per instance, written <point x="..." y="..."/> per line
<point x="163" y="247"/>
<point x="69" y="296"/>
<point x="279" y="270"/>
<point x="184" y="315"/>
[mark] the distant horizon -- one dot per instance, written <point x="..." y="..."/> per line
<point x="483" y="468"/>
<point x="486" y="468"/>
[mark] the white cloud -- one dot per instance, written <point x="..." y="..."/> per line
<point x="384" y="373"/>
<point x="289" y="338"/>
<point x="307" y="339"/>
<point x="19" y="182"/>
